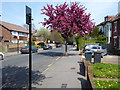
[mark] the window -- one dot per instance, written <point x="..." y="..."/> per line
<point x="115" y="41"/>
<point x="105" y="31"/>
<point x="119" y="42"/>
<point x="20" y="33"/>
<point x="25" y="34"/>
<point x="115" y="26"/>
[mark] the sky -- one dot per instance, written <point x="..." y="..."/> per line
<point x="15" y="12"/>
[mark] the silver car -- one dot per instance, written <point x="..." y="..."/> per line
<point x="98" y="49"/>
<point x="1" y="56"/>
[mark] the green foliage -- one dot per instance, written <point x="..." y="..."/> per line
<point x="37" y="46"/>
<point x="32" y="42"/>
<point x="3" y="49"/>
<point x="101" y="39"/>
<point x="107" y="84"/>
<point x="34" y="38"/>
<point x="56" y="36"/>
<point x="45" y="33"/>
<point x="41" y="44"/>
<point x="81" y="42"/>
<point x="90" y="41"/>
<point x="70" y="40"/>
<point x="105" y="70"/>
<point x="94" y="33"/>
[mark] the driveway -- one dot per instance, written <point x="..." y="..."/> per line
<point x="114" y="59"/>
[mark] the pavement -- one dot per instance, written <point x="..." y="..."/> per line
<point x="114" y="59"/>
<point x="16" y="53"/>
<point x="63" y="73"/>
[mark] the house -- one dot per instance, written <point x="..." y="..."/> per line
<point x="38" y="38"/>
<point x="12" y="33"/>
<point x="116" y="33"/>
<point x="105" y="27"/>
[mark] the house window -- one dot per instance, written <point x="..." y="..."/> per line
<point x="115" y="26"/>
<point x="119" y="42"/>
<point x="20" y="33"/>
<point x="105" y="31"/>
<point x="115" y="41"/>
<point x="25" y="34"/>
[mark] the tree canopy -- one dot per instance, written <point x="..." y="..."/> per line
<point x="45" y="33"/>
<point x="68" y="19"/>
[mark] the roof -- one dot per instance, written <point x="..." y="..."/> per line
<point x="116" y="17"/>
<point x="110" y="19"/>
<point x="13" y="27"/>
<point x="0" y="32"/>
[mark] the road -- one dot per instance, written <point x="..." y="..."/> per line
<point x="15" y="72"/>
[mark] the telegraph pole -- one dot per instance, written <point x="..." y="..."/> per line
<point x="28" y="21"/>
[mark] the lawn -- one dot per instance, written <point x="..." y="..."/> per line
<point x="107" y="84"/>
<point x="106" y="70"/>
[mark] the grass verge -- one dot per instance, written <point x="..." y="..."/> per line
<point x="107" y="84"/>
<point x="106" y="70"/>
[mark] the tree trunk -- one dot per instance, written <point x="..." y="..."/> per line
<point x="66" y="54"/>
<point x="77" y="46"/>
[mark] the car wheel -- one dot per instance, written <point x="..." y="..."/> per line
<point x="1" y="57"/>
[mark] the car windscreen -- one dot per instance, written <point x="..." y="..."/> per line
<point x="95" y="47"/>
<point x="26" y="47"/>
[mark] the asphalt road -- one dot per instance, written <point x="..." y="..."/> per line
<point x="15" y="72"/>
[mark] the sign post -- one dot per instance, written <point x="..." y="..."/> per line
<point x="28" y="21"/>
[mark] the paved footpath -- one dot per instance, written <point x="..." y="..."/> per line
<point x="63" y="73"/>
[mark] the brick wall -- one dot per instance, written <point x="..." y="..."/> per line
<point x="116" y="34"/>
<point x="6" y="34"/>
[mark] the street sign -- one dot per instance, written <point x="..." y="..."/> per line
<point x="28" y="15"/>
<point x="28" y="21"/>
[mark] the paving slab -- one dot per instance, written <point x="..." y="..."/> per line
<point x="63" y="73"/>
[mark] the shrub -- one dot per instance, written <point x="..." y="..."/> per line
<point x="32" y="42"/>
<point x="37" y="46"/>
<point x="41" y="44"/>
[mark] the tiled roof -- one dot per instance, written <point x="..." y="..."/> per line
<point x="117" y="16"/>
<point x="13" y="27"/>
<point x="0" y="31"/>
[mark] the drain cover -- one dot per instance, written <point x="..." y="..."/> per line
<point x="72" y="68"/>
<point x="64" y="86"/>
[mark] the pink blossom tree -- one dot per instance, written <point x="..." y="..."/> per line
<point x="68" y="20"/>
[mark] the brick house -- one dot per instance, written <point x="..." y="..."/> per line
<point x="12" y="33"/>
<point x="105" y="27"/>
<point x="116" y="33"/>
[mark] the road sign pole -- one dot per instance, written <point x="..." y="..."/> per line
<point x="28" y="21"/>
<point x="30" y="57"/>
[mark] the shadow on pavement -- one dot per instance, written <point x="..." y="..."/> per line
<point x="18" y="77"/>
<point x="84" y="84"/>
<point x="54" y="54"/>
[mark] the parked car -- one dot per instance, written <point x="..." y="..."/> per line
<point x="1" y="56"/>
<point x="88" y="47"/>
<point x="95" y="48"/>
<point x="58" y="45"/>
<point x="47" y="47"/>
<point x="26" y="49"/>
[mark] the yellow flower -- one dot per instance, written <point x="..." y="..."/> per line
<point x="107" y="80"/>
<point x="109" y="71"/>
<point x="97" y="80"/>
<point x="111" y="77"/>
<point x="109" y="85"/>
